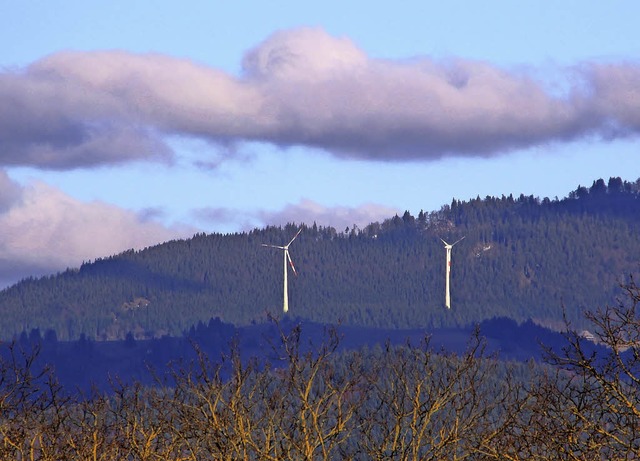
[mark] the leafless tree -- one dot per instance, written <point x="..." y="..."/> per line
<point x="588" y="407"/>
<point x="436" y="406"/>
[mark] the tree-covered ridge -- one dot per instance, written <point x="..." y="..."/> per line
<point x="522" y="258"/>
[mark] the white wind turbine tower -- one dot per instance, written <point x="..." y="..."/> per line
<point x="447" y="294"/>
<point x="287" y="258"/>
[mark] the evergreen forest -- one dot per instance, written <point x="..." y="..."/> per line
<point x="522" y="258"/>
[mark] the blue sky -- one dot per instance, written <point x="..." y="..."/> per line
<point x="125" y="124"/>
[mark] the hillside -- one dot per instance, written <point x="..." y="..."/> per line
<point x="522" y="258"/>
<point x="86" y="364"/>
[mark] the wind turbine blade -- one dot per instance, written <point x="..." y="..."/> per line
<point x="291" y="262"/>
<point x="458" y="240"/>
<point x="295" y="236"/>
<point x="273" y="246"/>
<point x="443" y="241"/>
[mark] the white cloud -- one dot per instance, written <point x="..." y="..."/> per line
<point x="303" y="55"/>
<point x="46" y="231"/>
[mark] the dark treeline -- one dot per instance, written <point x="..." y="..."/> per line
<point x="86" y="364"/>
<point x="522" y="258"/>
<point x="387" y="402"/>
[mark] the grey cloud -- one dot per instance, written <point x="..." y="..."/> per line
<point x="150" y="214"/>
<point x="301" y="87"/>
<point x="10" y="192"/>
<point x="217" y="214"/>
<point x="49" y="122"/>
<point x="222" y="216"/>
<point x="616" y="90"/>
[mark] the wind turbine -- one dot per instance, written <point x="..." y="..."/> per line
<point x="287" y="258"/>
<point x="447" y="295"/>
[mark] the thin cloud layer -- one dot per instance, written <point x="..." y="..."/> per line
<point x="300" y="87"/>
<point x="304" y="212"/>
<point x="339" y="217"/>
<point x="44" y="230"/>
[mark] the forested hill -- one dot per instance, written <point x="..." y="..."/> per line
<point x="522" y="258"/>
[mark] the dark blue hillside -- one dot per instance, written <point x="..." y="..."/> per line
<point x="86" y="364"/>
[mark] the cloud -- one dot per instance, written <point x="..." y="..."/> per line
<point x="304" y="212"/>
<point x="222" y="216"/>
<point x="52" y="122"/>
<point x="45" y="231"/>
<point x="339" y="217"/>
<point x="301" y="87"/>
<point x="618" y="96"/>
<point x="10" y="192"/>
<point x="303" y="55"/>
